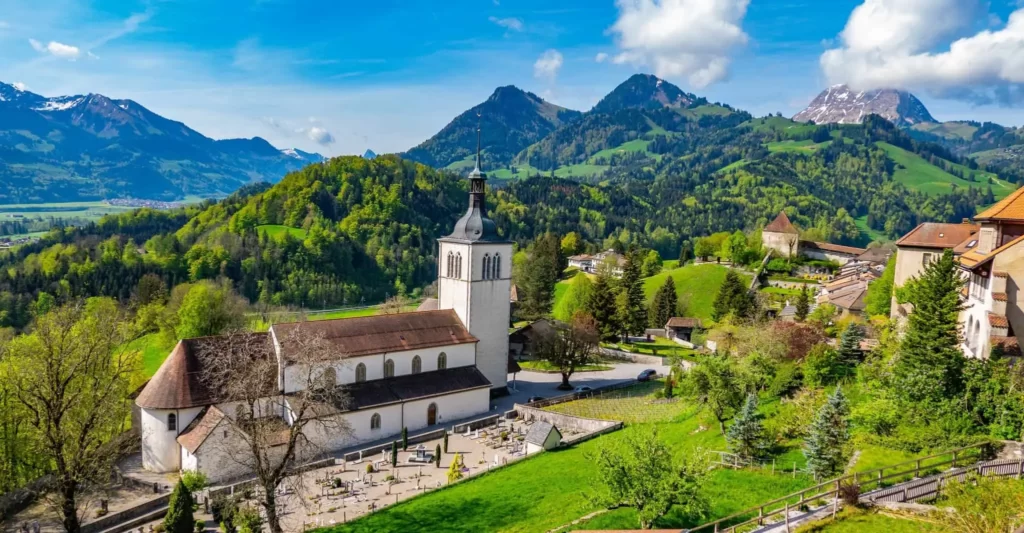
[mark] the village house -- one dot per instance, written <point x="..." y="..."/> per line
<point x="783" y="238"/>
<point x="923" y="244"/>
<point x="409" y="370"/>
<point x="592" y="264"/>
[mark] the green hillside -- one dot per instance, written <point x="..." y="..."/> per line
<point x="696" y="284"/>
<point x="918" y="174"/>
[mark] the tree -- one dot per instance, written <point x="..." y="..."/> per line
<point x="652" y="263"/>
<point x="73" y="375"/>
<point x="445" y="441"/>
<point x="716" y="386"/>
<point x="257" y="440"/>
<point x="394" y="453"/>
<point x="179" y="517"/>
<point x="849" y="345"/>
<point x="824" y="366"/>
<point x="405" y="439"/>
<point x="665" y="304"/>
<point x="704" y="248"/>
<point x="603" y="305"/>
<point x="569" y="346"/>
<point x="633" y="311"/>
<point x="576" y="298"/>
<point x="394" y="305"/>
<point x="207" y="310"/>
<point x="735" y="247"/>
<point x="540" y="274"/>
<point x="929" y="362"/>
<point x="151" y="288"/>
<point x="878" y="300"/>
<point x="733" y="297"/>
<point x="641" y="473"/>
<point x="983" y="505"/>
<point x="571" y="244"/>
<point x="746" y="436"/>
<point x="803" y="304"/>
<point x="825" y="447"/>
<point x="437" y="455"/>
<point x="685" y="253"/>
<point x="455" y="469"/>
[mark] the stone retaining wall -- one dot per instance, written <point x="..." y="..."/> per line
<point x="113" y="519"/>
<point x="566" y="423"/>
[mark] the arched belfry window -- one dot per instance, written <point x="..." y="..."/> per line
<point x="451" y="264"/>
<point x="417" y="365"/>
<point x="389" y="368"/>
<point x="360" y="373"/>
<point x="487" y="266"/>
<point x="442" y="361"/>
<point x="496" y="266"/>
<point x="458" y="265"/>
<point x="172" y="422"/>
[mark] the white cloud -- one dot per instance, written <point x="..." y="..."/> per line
<point x="320" y="136"/>
<point x="20" y="86"/>
<point x="601" y="57"/>
<point x="548" y="65"/>
<point x="900" y="44"/>
<point x="689" y="39"/>
<point x="60" y="50"/>
<point x="510" y="23"/>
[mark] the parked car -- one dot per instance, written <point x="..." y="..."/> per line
<point x="582" y="388"/>
<point x="647" y="375"/>
<point x="532" y="399"/>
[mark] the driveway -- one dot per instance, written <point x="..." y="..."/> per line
<point x="529" y="384"/>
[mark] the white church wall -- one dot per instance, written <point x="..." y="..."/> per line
<point x="328" y="436"/>
<point x="453" y="292"/>
<point x="450" y="407"/>
<point x="160" y="448"/>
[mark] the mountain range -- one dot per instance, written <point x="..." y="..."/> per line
<point x="91" y="147"/>
<point x="841" y="105"/>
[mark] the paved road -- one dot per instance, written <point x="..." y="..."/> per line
<point x="529" y="384"/>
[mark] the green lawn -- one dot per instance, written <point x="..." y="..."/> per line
<point x="857" y="521"/>
<point x="918" y="174"/>
<point x="805" y="146"/>
<point x="784" y="125"/>
<point x="697" y="284"/>
<point x="153" y="350"/>
<point x="949" y="130"/>
<point x="275" y="231"/>
<point x="733" y="166"/>
<point x="546" y="366"/>
<point x="867" y="233"/>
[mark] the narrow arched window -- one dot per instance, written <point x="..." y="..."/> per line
<point x="172" y="422"/>
<point x="329" y="378"/>
<point x="458" y="265"/>
<point x="417" y="365"/>
<point x="375" y="421"/>
<point x="451" y="264"/>
<point x="360" y="373"/>
<point x="389" y="368"/>
<point x="497" y="266"/>
<point x="487" y="266"/>
<point x="442" y="361"/>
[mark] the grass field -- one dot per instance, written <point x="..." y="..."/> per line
<point x="784" y="125"/>
<point x="276" y="231"/>
<point x="868" y="235"/>
<point x="918" y="174"/>
<point x="153" y="350"/>
<point x="805" y="146"/>
<point x="697" y="284"/>
<point x="546" y="366"/>
<point x="551" y="489"/>
<point x="948" y="130"/>
<point x="857" y="521"/>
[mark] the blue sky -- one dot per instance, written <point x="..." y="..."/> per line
<point x="342" y="76"/>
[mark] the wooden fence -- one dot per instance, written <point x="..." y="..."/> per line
<point x="879" y="479"/>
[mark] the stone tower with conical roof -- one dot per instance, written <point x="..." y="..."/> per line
<point x="474" y="279"/>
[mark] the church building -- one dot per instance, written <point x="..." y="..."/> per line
<point x="411" y="370"/>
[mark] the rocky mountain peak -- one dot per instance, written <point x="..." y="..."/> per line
<point x="644" y="91"/>
<point x="841" y="105"/>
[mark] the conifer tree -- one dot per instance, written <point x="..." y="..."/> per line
<point x="803" y="305"/>
<point x="746" y="435"/>
<point x="179" y="511"/>
<point x="634" y="315"/>
<point x="603" y="305"/>
<point x="540" y="276"/>
<point x="405" y="439"/>
<point x="830" y="432"/>
<point x="445" y="442"/>
<point x="849" y="345"/>
<point x="929" y="363"/>
<point x="437" y="453"/>
<point x="732" y="297"/>
<point x="455" y="469"/>
<point x="394" y="453"/>
<point x="664" y="305"/>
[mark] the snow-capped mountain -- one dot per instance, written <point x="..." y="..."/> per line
<point x="839" y="104"/>
<point x="93" y="147"/>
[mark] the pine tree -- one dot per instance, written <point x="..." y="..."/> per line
<point x="929" y="363"/>
<point x="603" y="305"/>
<point x="685" y="253"/>
<point x="179" y="517"/>
<point x="540" y="276"/>
<point x="849" y="345"/>
<point x="830" y="432"/>
<point x="394" y="453"/>
<point x="634" y="315"/>
<point x="732" y="297"/>
<point x="405" y="439"/>
<point x="437" y="453"/>
<point x="664" y="305"/>
<point x="746" y="435"/>
<point x="445" y="442"/>
<point x="803" y="304"/>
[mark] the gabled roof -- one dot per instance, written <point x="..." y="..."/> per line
<point x="178" y="383"/>
<point x="938" y="235"/>
<point x="1008" y="209"/>
<point x="201" y="427"/>
<point x="539" y="432"/>
<point x="829" y="247"/>
<point x="683" y="322"/>
<point x="974" y="258"/>
<point x="781" y="224"/>
<point x="428" y="304"/>
<point x="353" y="337"/>
<point x="875" y="255"/>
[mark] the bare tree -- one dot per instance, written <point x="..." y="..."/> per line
<point x="394" y="305"/>
<point x="73" y="375"/>
<point x="271" y="431"/>
<point x="569" y="346"/>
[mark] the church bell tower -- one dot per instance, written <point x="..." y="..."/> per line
<point x="475" y="279"/>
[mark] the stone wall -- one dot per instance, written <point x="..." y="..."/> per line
<point x="567" y="423"/>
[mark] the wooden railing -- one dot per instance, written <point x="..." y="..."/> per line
<point x="878" y="479"/>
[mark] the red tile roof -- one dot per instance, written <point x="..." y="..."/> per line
<point x="1000" y="274"/>
<point x="200" y="428"/>
<point x="1009" y="208"/>
<point x="999" y="296"/>
<point x="1005" y="346"/>
<point x="383" y="333"/>
<point x="938" y="235"/>
<point x="829" y="247"/>
<point x="781" y="224"/>
<point x="998" y="321"/>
